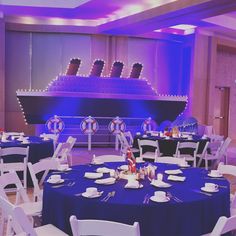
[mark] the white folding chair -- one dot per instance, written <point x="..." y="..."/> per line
<point x="54" y="138"/>
<point x="153" y="155"/>
<point x="32" y="209"/>
<point x="223" y="225"/>
<point x="102" y="228"/>
<point x="21" y="153"/>
<point x="71" y="140"/>
<point x="20" y="224"/>
<point x="229" y="170"/>
<point x="108" y="158"/>
<point x="223" y="150"/>
<point x="192" y="147"/>
<point x="42" y="167"/>
<point x="130" y="140"/>
<point x="169" y="160"/>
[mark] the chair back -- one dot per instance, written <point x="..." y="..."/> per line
<point x="73" y="66"/>
<point x="124" y="145"/>
<point x="12" y="178"/>
<point x="21" y="152"/>
<point x="169" y="160"/>
<point x="54" y="137"/>
<point x="129" y="137"/>
<point x="108" y="158"/>
<point x="103" y="228"/>
<point x="224" y="225"/>
<point x="42" y="166"/>
<point x="116" y="69"/>
<point x="71" y="140"/>
<point x="187" y="145"/>
<point x="7" y="210"/>
<point x="136" y="70"/>
<point x="226" y="169"/>
<point x="97" y="68"/>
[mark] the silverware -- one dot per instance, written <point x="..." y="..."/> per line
<point x="78" y="194"/>
<point x="108" y="196"/>
<point x="145" y="198"/>
<point x="148" y="198"/>
<point x="198" y="191"/>
<point x="70" y="184"/>
<point x="176" y="199"/>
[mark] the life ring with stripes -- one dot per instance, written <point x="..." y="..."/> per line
<point x="148" y="125"/>
<point x="55" y="125"/>
<point x="116" y="126"/>
<point x="89" y="125"/>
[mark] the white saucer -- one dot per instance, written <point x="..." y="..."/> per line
<point x="51" y="181"/>
<point x="209" y="190"/>
<point x="154" y="199"/>
<point x="103" y="170"/>
<point x="25" y="142"/>
<point x="215" y="176"/>
<point x="85" y="194"/>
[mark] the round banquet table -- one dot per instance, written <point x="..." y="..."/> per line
<point x="38" y="149"/>
<point x="168" y="146"/>
<point x="195" y="215"/>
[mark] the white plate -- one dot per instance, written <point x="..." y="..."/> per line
<point x="85" y="194"/>
<point x="209" y="190"/>
<point x="91" y="175"/>
<point x="106" y="181"/>
<point x="51" y="181"/>
<point x="154" y="199"/>
<point x="160" y="184"/>
<point x="215" y="176"/>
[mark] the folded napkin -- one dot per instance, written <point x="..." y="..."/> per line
<point x="105" y="181"/>
<point x="92" y="175"/>
<point x="173" y="172"/>
<point x="176" y="178"/>
<point x="103" y="170"/>
<point x="133" y="184"/>
<point x="160" y="184"/>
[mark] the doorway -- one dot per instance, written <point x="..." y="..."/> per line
<point x="221" y="110"/>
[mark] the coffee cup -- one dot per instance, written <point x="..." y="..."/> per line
<point x="91" y="191"/>
<point x="211" y="186"/>
<point x="55" y="178"/>
<point x="215" y="172"/>
<point x="161" y="195"/>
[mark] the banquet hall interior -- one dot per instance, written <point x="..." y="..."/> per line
<point x="120" y="113"/>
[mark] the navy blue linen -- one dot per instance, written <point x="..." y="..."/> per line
<point x="195" y="216"/>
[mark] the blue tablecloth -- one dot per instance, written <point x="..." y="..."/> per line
<point x="38" y="148"/>
<point x="196" y="215"/>
<point x="168" y="146"/>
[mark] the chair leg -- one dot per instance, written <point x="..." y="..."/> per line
<point x="206" y="164"/>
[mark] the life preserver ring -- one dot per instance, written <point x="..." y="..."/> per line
<point x="148" y="125"/>
<point x="89" y="125"/>
<point x="55" y="124"/>
<point x="116" y="126"/>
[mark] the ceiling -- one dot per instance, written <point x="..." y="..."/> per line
<point x="124" y="17"/>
